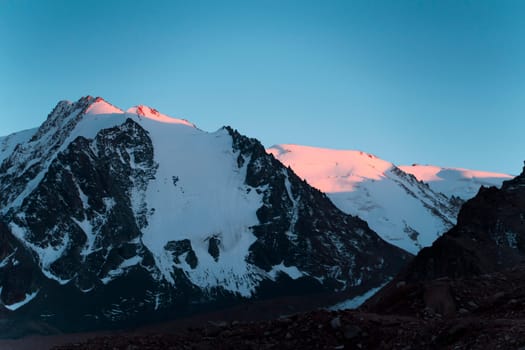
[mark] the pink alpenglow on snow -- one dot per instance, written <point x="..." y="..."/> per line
<point x="101" y="106"/>
<point x="331" y="170"/>
<point x="393" y="201"/>
<point x="152" y="113"/>
<point x="463" y="183"/>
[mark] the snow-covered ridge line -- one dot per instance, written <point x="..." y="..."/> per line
<point x="408" y="206"/>
<point x="152" y="113"/>
<point x="460" y="182"/>
<point x="102" y="107"/>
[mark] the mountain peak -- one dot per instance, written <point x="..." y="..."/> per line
<point x="152" y="113"/>
<point x="97" y="105"/>
<point x="93" y="106"/>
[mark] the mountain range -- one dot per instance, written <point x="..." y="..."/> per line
<point x="466" y="291"/>
<point x="110" y="218"/>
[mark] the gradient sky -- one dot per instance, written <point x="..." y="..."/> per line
<point x="430" y="82"/>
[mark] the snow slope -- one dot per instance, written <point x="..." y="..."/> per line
<point x="403" y="210"/>
<point x="463" y="183"/>
<point x="8" y="143"/>
<point x="197" y="189"/>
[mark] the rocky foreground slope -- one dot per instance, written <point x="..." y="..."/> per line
<point x="489" y="314"/>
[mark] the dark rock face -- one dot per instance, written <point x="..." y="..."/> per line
<point x="81" y="213"/>
<point x="488" y="238"/>
<point x="18" y="276"/>
<point x="213" y="247"/>
<point x="74" y="211"/>
<point x="182" y="247"/>
<point x="27" y="160"/>
<point x="300" y="226"/>
<point x="86" y="186"/>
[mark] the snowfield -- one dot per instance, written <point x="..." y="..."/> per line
<point x="463" y="183"/>
<point x="393" y="200"/>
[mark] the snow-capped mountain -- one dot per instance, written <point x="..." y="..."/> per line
<point x="409" y="206"/>
<point x="109" y="217"/>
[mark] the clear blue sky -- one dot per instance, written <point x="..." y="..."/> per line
<point x="438" y="82"/>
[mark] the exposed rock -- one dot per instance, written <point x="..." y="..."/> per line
<point x="335" y="323"/>
<point x="489" y="237"/>
<point x="493" y="326"/>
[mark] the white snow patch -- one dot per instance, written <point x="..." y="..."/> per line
<point x="5" y="261"/>
<point x="119" y="271"/>
<point x="157" y="301"/>
<point x="87" y="227"/>
<point x="90" y="227"/>
<point x="291" y="271"/>
<point x="47" y="255"/>
<point x="83" y="197"/>
<point x="131" y="262"/>
<point x="356" y="301"/>
<point x="23" y="302"/>
<point x="295" y="209"/>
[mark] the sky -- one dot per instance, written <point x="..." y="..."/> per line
<point x="428" y="82"/>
